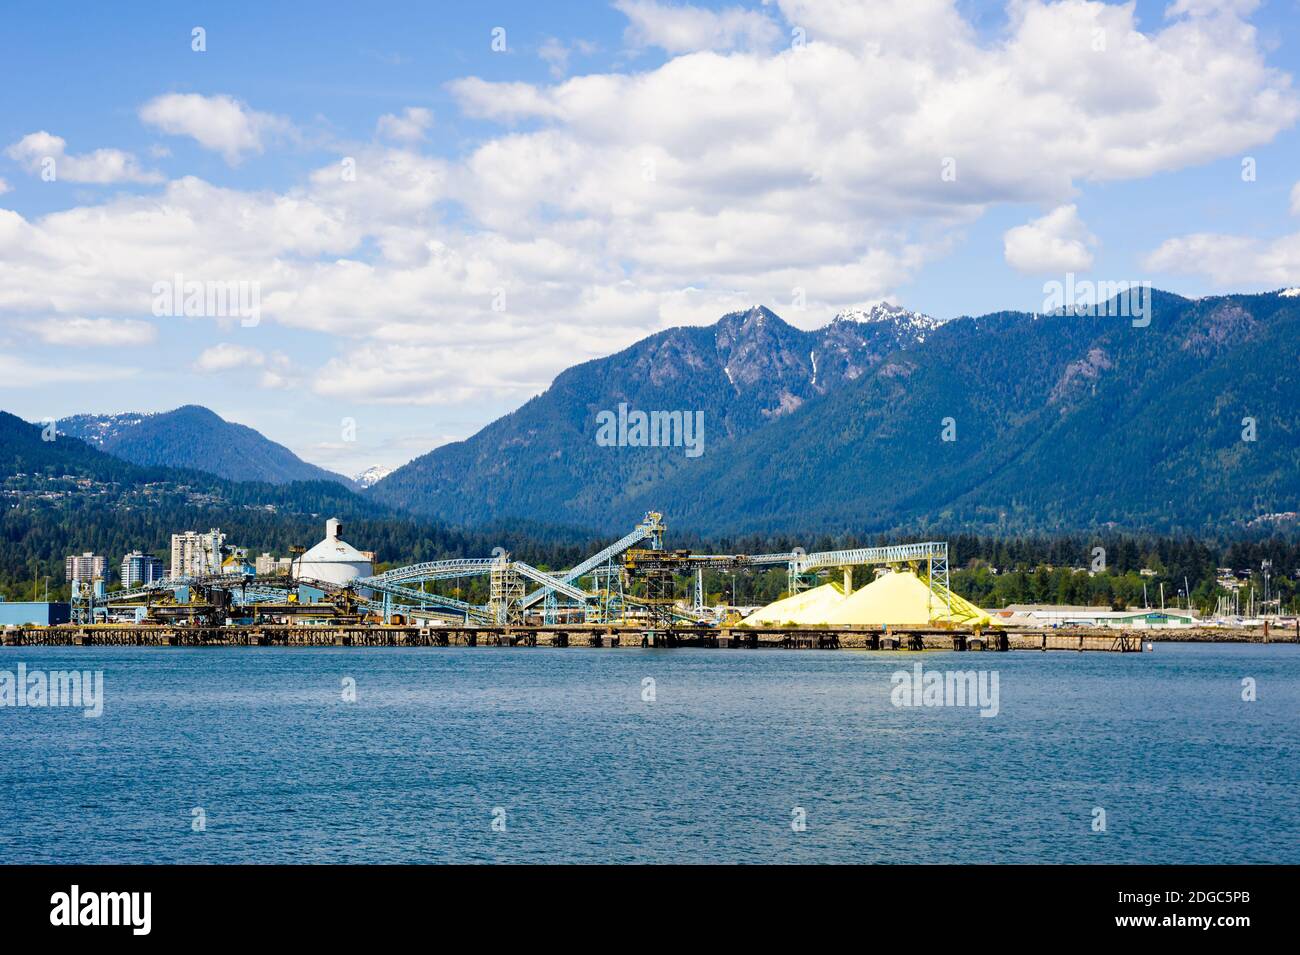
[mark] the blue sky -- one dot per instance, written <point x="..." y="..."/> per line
<point x="615" y="170"/>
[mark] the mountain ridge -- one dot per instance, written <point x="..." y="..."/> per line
<point x="839" y="429"/>
<point x="747" y="369"/>
<point x="196" y="438"/>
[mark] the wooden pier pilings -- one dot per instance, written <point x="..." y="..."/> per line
<point x="608" y="636"/>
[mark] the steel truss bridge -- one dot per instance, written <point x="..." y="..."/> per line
<point x="608" y="573"/>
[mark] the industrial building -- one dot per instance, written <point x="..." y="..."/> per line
<point x="1061" y="615"/>
<point x="333" y="560"/>
<point x="26" y="613"/>
<point x="238" y="563"/>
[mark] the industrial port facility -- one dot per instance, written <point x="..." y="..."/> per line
<point x="624" y="594"/>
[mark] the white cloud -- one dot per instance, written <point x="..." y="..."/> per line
<point x="1205" y="8"/>
<point x="1234" y="260"/>
<point x="226" y="356"/>
<point x="556" y="54"/>
<point x="275" y="370"/>
<point x="94" y="332"/>
<point x="409" y="127"/>
<point x="685" y="29"/>
<point x="630" y="201"/>
<point x="220" y="123"/>
<point x="20" y="372"/>
<point x="37" y="150"/>
<point x="1231" y="260"/>
<point x="4" y="187"/>
<point x="1057" y="242"/>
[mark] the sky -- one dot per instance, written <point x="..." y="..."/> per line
<point x="422" y="212"/>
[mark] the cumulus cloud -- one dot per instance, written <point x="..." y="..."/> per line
<point x="685" y="29"/>
<point x="38" y="151"/>
<point x="623" y="202"/>
<point x="227" y="356"/>
<point x="1231" y="260"/>
<point x="1058" y="242"/>
<point x="94" y="332"/>
<point x="220" y="123"/>
<point x="274" y="369"/>
<point x="408" y="127"/>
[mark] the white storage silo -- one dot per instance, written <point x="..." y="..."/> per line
<point x="333" y="560"/>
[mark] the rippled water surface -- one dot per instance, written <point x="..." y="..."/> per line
<point x="561" y="747"/>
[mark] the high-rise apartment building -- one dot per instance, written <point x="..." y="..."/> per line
<point x="87" y="566"/>
<point x="139" y="569"/>
<point x="195" y="554"/>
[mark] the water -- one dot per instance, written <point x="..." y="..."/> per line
<point x="711" y="770"/>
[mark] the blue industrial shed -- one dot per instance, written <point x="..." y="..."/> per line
<point x="26" y="612"/>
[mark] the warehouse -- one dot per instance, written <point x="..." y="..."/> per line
<point x="24" y="613"/>
<point x="1062" y="615"/>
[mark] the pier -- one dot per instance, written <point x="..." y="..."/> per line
<point x="609" y="636"/>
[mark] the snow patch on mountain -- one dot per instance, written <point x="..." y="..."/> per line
<point x="888" y="312"/>
<point x="371" y="476"/>
<point x="98" y="430"/>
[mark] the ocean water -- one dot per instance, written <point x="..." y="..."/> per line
<point x="741" y="756"/>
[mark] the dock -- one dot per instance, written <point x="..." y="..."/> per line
<point x="577" y="635"/>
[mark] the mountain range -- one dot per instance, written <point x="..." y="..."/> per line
<point x="890" y="421"/>
<point x="745" y="373"/>
<point x="884" y="420"/>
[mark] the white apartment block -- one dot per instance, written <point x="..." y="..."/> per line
<point x="87" y="566"/>
<point x="195" y="554"/>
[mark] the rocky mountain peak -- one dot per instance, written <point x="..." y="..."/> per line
<point x="372" y="475"/>
<point x="886" y="312"/>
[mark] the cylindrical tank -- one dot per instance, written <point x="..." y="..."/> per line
<point x="333" y="560"/>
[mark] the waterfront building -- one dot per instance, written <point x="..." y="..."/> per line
<point x="333" y="560"/>
<point x="25" y="613"/>
<point x="1059" y="615"/>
